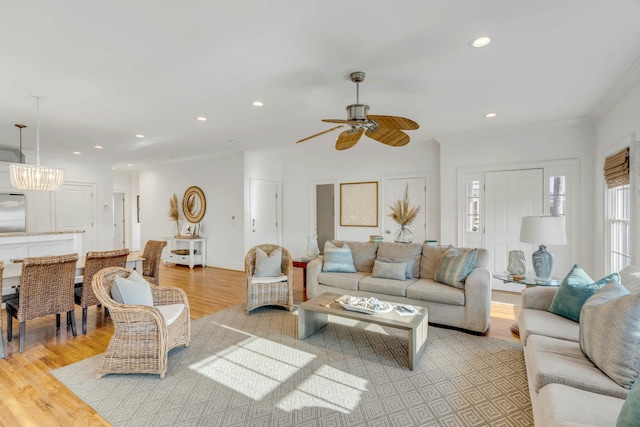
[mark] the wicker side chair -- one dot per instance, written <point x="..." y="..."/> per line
<point x="46" y="287"/>
<point x="263" y="291"/>
<point x="94" y="262"/>
<point x="141" y="338"/>
<point x="2" y="352"/>
<point x="152" y="254"/>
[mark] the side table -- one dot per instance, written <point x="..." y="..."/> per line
<point x="302" y="263"/>
<point x="529" y="283"/>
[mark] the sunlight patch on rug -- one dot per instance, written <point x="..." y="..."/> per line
<point x="254" y="367"/>
<point x="327" y="388"/>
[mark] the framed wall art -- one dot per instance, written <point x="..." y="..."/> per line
<point x="359" y="204"/>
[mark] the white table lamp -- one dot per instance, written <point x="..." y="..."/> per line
<point x="543" y="230"/>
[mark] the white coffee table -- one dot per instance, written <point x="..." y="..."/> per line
<point x="314" y="314"/>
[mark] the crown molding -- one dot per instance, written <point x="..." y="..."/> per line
<point x="617" y="91"/>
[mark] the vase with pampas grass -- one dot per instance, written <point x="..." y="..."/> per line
<point x="403" y="213"/>
<point x="174" y="212"/>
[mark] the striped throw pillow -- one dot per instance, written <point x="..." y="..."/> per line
<point x="455" y="266"/>
<point x="338" y="259"/>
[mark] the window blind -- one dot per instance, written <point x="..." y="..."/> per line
<point x="616" y="169"/>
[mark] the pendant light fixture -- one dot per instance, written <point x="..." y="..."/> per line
<point x="35" y="177"/>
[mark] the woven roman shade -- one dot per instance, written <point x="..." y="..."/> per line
<point x="616" y="169"/>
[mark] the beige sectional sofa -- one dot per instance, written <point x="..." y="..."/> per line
<point x="468" y="308"/>
<point x="566" y="388"/>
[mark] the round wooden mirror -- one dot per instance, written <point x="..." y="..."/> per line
<point x="194" y="205"/>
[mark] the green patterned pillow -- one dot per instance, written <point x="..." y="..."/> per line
<point x="630" y="413"/>
<point x="610" y="332"/>
<point x="574" y="290"/>
<point x="455" y="266"/>
<point x="338" y="259"/>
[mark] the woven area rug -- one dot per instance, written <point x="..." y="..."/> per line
<point x="252" y="371"/>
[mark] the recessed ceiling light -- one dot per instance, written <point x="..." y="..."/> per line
<point x="139" y="135"/>
<point x="77" y="152"/>
<point x="98" y="147"/>
<point x="481" y="41"/>
<point x="201" y="118"/>
<point x="233" y="141"/>
<point x="257" y="103"/>
<point x="490" y="115"/>
<point x="129" y="165"/>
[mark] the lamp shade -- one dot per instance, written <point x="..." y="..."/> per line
<point x="543" y="230"/>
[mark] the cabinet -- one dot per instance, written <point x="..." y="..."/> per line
<point x="186" y="251"/>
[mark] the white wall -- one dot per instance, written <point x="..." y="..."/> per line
<point x="509" y="147"/>
<point x="222" y="181"/>
<point x="306" y="164"/>
<point x="617" y="123"/>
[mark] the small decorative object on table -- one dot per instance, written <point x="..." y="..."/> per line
<point x="365" y="305"/>
<point x="406" y="310"/>
<point x="174" y="212"/>
<point x="403" y="214"/>
<point x="517" y="263"/>
<point x="312" y="246"/>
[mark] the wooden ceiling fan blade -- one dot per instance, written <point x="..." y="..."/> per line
<point x="346" y="122"/>
<point x="320" y="133"/>
<point x="348" y="138"/>
<point x="394" y="122"/>
<point x="392" y="137"/>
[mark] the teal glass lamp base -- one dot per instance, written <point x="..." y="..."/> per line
<point x="542" y="263"/>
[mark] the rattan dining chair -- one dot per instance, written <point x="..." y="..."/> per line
<point x="2" y="352"/>
<point x="276" y="290"/>
<point x="94" y="262"/>
<point x="152" y="255"/>
<point x="141" y="338"/>
<point x="46" y="287"/>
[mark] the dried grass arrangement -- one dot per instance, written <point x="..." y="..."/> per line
<point x="402" y="212"/>
<point x="174" y="211"/>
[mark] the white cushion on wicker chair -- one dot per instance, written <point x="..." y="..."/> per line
<point x="170" y="312"/>
<point x="127" y="291"/>
<point x="262" y="280"/>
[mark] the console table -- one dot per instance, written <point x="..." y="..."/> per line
<point x="196" y="251"/>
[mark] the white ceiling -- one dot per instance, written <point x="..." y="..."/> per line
<point x="111" y="69"/>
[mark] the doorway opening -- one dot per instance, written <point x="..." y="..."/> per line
<point x="325" y="214"/>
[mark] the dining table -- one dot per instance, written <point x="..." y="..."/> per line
<point x="13" y="270"/>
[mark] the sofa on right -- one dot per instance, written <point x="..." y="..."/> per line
<point x="566" y="386"/>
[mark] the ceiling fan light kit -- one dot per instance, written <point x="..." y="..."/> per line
<point x="385" y="129"/>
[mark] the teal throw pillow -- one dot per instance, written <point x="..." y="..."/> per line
<point x="574" y="290"/>
<point x="630" y="413"/>
<point x="338" y="259"/>
<point x="455" y="266"/>
<point x="610" y="332"/>
<point x="389" y="270"/>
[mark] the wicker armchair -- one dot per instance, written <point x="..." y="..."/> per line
<point x="261" y="291"/>
<point x="141" y="339"/>
<point x="46" y="287"/>
<point x="94" y="262"/>
<point x="151" y="264"/>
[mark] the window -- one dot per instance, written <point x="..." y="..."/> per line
<point x="557" y="196"/>
<point x="617" y="177"/>
<point x="473" y="206"/>
<point x="619" y="210"/>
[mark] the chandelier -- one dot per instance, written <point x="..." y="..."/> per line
<point x="35" y="177"/>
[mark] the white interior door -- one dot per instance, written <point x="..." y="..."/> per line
<point x="118" y="221"/>
<point x="75" y="209"/>
<point x="265" y="212"/>
<point x="509" y="195"/>
<point x="394" y="189"/>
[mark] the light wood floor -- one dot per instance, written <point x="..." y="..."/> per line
<point x="31" y="396"/>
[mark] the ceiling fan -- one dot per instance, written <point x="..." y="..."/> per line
<point x="385" y="129"/>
